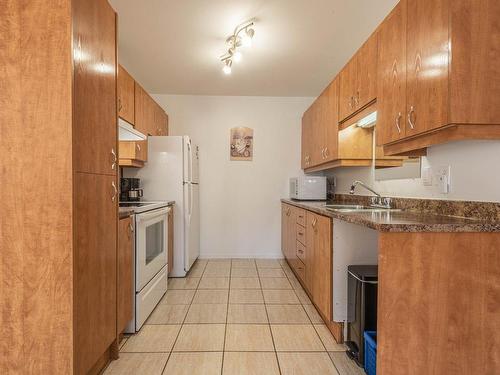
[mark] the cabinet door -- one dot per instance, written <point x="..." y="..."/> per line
<point x="427" y="43"/>
<point x="306" y="139"/>
<point x="291" y="245"/>
<point x="317" y="137"/>
<point x="126" y="93"/>
<point x="330" y="120"/>
<point x="366" y="70"/>
<point x="95" y="266"/>
<point x="125" y="266"/>
<point x="321" y="281"/>
<point x="94" y="87"/>
<point x="311" y="233"/>
<point x="144" y="111"/>
<point x="391" y="86"/>
<point x="284" y="230"/>
<point x="347" y="86"/>
<point x="161" y="121"/>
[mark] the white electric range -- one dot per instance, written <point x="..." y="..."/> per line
<point x="150" y="221"/>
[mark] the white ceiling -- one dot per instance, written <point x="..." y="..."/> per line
<point x="172" y="47"/>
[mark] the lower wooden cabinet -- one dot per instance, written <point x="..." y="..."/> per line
<point x="307" y="246"/>
<point x="125" y="265"/>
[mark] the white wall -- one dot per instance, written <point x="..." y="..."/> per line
<point x="475" y="174"/>
<point x="240" y="201"/>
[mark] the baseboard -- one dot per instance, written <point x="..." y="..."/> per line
<point x="232" y="255"/>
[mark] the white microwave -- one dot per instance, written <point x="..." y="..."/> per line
<point x="308" y="188"/>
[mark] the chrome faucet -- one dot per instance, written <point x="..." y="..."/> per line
<point x="378" y="201"/>
<point x="356" y="183"/>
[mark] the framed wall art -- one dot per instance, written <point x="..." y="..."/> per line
<point x="241" y="147"/>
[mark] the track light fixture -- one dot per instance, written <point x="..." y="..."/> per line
<point x="241" y="37"/>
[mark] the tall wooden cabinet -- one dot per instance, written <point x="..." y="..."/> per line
<point x="59" y="141"/>
<point x="95" y="181"/>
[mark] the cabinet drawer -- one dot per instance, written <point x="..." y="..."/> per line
<point x="300" y="233"/>
<point x="301" y="252"/>
<point x="301" y="216"/>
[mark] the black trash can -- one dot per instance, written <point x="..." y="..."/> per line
<point x="361" y="308"/>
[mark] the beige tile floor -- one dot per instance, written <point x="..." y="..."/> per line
<point x="240" y="316"/>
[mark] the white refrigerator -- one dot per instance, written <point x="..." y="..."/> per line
<point x="171" y="174"/>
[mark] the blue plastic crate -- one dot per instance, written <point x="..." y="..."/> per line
<point x="370" y="352"/>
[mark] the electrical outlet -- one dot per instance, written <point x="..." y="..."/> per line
<point x="444" y="179"/>
<point x="427" y="176"/>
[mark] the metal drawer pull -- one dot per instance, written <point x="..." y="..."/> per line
<point x="113" y="198"/>
<point x="398" y="120"/>
<point x="314" y="223"/>
<point x="138" y="146"/>
<point x="113" y="153"/>
<point x="410" y="113"/>
<point x="131" y="227"/>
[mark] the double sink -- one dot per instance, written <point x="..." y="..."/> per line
<point x="358" y="208"/>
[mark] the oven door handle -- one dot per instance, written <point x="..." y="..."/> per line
<point x="152" y="215"/>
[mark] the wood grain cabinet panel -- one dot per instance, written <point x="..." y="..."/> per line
<point x="144" y="115"/>
<point x="319" y="262"/>
<point x="427" y="62"/>
<point x="125" y="283"/>
<point x="126" y="95"/>
<point x="366" y="79"/>
<point x="391" y="85"/>
<point x="347" y="88"/>
<point x="452" y="74"/>
<point x="95" y="264"/>
<point x="94" y="85"/>
<point x="438" y="303"/>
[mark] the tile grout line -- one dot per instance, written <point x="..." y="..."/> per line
<point x="227" y="313"/>
<point x="182" y="325"/>
<point x="314" y="327"/>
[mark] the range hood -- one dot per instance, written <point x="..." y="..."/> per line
<point x="126" y="132"/>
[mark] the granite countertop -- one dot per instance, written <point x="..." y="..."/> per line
<point x="401" y="221"/>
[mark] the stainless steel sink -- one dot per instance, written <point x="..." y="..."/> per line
<point x="343" y="206"/>
<point x="358" y="208"/>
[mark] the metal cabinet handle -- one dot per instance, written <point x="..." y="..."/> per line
<point x="410" y="113"/>
<point x="326" y="152"/>
<point x="131" y="228"/>
<point x="351" y="104"/>
<point x="356" y="98"/>
<point x="300" y="251"/>
<point x="113" y="197"/>
<point x="314" y="221"/>
<point x="119" y="104"/>
<point x="113" y="153"/>
<point x="138" y="146"/>
<point x="398" y="121"/>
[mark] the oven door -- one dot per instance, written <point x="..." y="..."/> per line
<point x="151" y="244"/>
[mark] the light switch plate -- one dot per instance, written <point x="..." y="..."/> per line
<point x="427" y="176"/>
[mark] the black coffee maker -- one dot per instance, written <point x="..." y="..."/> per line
<point x="130" y="189"/>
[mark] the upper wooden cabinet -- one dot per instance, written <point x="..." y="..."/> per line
<point x="161" y="121"/>
<point x="126" y="95"/>
<point x="358" y="79"/>
<point x="438" y="74"/>
<point x="144" y="111"/>
<point x="391" y="87"/>
<point x="133" y="153"/>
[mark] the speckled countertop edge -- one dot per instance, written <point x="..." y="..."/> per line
<point x="405" y="221"/>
